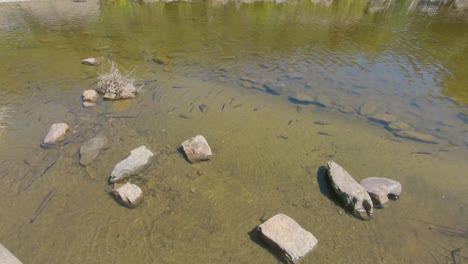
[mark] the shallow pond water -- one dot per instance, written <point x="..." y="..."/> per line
<point x="287" y="87"/>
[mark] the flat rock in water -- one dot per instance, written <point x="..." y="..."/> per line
<point x="130" y="195"/>
<point x="350" y="192"/>
<point x="6" y="257"/>
<point x="417" y="136"/>
<point x="92" y="61"/>
<point x="139" y="158"/>
<point x="284" y="234"/>
<point x="397" y="126"/>
<point x="197" y="149"/>
<point x="382" y="119"/>
<point x="91" y="149"/>
<point x="56" y="134"/>
<point x="381" y="189"/>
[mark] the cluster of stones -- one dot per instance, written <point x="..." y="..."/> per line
<point x="280" y="232"/>
<point x="361" y="198"/>
<point x="130" y="195"/>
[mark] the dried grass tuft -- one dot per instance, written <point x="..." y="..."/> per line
<point x="116" y="85"/>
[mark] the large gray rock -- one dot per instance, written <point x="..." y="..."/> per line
<point x="91" y="149"/>
<point x="350" y="192"/>
<point x="130" y="195"/>
<point x="6" y="257"/>
<point x="139" y="158"/>
<point x="381" y="189"/>
<point x="197" y="149"/>
<point x="283" y="233"/>
<point x="56" y="134"/>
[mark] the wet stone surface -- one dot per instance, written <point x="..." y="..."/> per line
<point x="381" y="190"/>
<point x="284" y="234"/>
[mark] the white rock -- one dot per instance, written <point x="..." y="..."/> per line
<point x="92" y="61"/>
<point x="130" y="195"/>
<point x="56" y="134"/>
<point x="284" y="234"/>
<point x="197" y="149"/>
<point x="381" y="189"/>
<point x="350" y="192"/>
<point x="90" y="96"/>
<point x="139" y="158"/>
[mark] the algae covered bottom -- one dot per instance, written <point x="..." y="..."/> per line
<point x="278" y="89"/>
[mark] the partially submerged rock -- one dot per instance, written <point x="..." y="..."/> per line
<point x="92" y="61"/>
<point x="381" y="189"/>
<point x="417" y="136"/>
<point x="89" y="98"/>
<point x="284" y="234"/>
<point x="138" y="160"/>
<point x="349" y="191"/>
<point x="56" y="134"/>
<point x="128" y="194"/>
<point x="197" y="149"/>
<point x="91" y="149"/>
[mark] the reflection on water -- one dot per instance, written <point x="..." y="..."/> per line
<point x="287" y="86"/>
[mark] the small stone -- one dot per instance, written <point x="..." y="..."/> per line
<point x="284" y="234"/>
<point x="139" y="158"/>
<point x="92" y="61"/>
<point x="56" y="134"/>
<point x="91" y="149"/>
<point x="382" y="119"/>
<point x="397" y="126"/>
<point x="193" y="190"/>
<point x="130" y="195"/>
<point x="417" y="136"/>
<point x="381" y="189"/>
<point x="350" y="192"/>
<point x="197" y="149"/>
<point x="90" y="96"/>
<point x="88" y="104"/>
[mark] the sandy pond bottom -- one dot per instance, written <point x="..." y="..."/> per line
<point x="267" y="160"/>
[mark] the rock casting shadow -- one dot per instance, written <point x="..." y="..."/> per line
<point x="326" y="186"/>
<point x="182" y="153"/>
<point x="253" y="234"/>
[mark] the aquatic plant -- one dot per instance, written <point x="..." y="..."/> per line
<point x="116" y="85"/>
